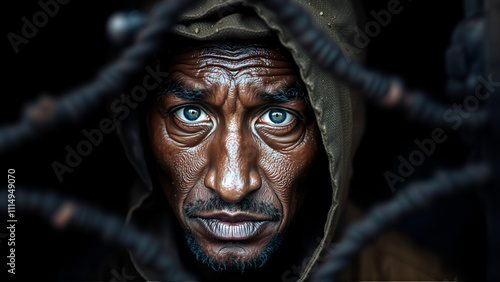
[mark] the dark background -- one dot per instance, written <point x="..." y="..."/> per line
<point x="73" y="46"/>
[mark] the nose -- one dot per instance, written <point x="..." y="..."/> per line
<point x="232" y="169"/>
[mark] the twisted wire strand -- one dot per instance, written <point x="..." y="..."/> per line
<point x="385" y="91"/>
<point x="64" y="213"/>
<point x="75" y="105"/>
<point x="411" y="199"/>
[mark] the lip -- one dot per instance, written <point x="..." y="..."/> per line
<point x="232" y="226"/>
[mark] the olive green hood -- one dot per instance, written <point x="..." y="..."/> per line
<point x="338" y="110"/>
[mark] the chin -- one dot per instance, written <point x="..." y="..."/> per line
<point x="232" y="255"/>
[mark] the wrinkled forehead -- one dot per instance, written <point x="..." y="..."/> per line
<point x="233" y="51"/>
<point x="264" y="64"/>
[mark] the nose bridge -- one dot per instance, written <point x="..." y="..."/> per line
<point x="234" y="163"/>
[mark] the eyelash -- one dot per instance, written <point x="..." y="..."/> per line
<point x="277" y="128"/>
<point x="186" y="119"/>
<point x="174" y="109"/>
<point x="293" y="117"/>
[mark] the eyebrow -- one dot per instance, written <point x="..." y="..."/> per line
<point x="176" y="88"/>
<point x="294" y="91"/>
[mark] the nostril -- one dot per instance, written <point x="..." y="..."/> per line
<point x="254" y="180"/>
<point x="210" y="179"/>
<point x="232" y="172"/>
<point x="233" y="186"/>
<point x="232" y="195"/>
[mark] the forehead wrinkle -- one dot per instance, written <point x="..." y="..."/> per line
<point x="238" y="52"/>
<point x="255" y="73"/>
<point x="238" y="75"/>
<point x="229" y="88"/>
<point x="209" y="83"/>
<point x="235" y="64"/>
<point x="242" y="57"/>
<point x="273" y="75"/>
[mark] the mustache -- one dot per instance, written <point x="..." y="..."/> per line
<point x="245" y="205"/>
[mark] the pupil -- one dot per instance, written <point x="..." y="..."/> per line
<point x="192" y="113"/>
<point x="277" y="116"/>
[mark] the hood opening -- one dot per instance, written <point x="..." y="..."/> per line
<point x="338" y="113"/>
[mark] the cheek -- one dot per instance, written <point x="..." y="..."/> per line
<point x="180" y="167"/>
<point x="286" y="171"/>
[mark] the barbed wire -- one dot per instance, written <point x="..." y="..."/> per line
<point x="65" y="213"/>
<point x="386" y="91"/>
<point x="47" y="114"/>
<point x="413" y="198"/>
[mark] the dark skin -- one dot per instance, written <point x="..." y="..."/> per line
<point x="233" y="141"/>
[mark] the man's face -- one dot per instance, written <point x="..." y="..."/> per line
<point x="234" y="140"/>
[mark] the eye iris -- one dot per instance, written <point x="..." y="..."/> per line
<point x="192" y="113"/>
<point x="277" y="116"/>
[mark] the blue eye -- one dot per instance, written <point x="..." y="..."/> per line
<point x="191" y="114"/>
<point x="277" y="116"/>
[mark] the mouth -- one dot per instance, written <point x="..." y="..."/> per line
<point x="233" y="226"/>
